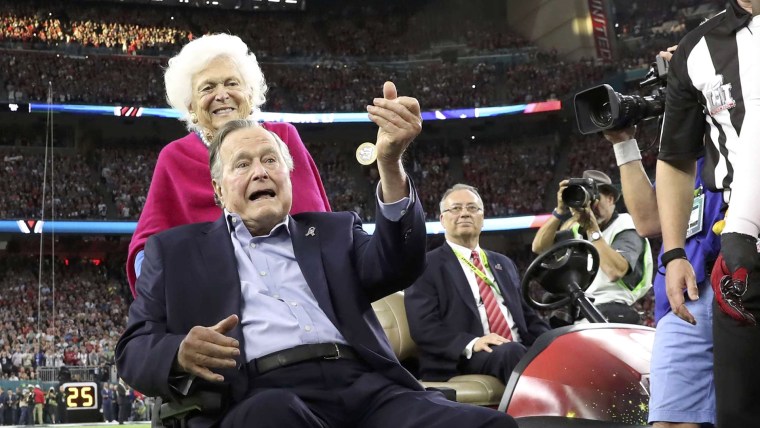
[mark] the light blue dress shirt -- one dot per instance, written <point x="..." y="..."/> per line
<point x="279" y="311"/>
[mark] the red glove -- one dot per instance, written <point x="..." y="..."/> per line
<point x="738" y="257"/>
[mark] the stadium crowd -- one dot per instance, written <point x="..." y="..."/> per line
<point x="74" y="195"/>
<point x="114" y="184"/>
<point x="512" y="176"/>
<point x="127" y="174"/>
<point x="123" y="29"/>
<point x="335" y="58"/>
<point x="79" y="318"/>
<point x="330" y="85"/>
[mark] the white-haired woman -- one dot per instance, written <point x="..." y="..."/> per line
<point x="214" y="79"/>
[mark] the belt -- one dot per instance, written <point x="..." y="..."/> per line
<point x="301" y="353"/>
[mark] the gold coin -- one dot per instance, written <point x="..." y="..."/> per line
<point x="366" y="153"/>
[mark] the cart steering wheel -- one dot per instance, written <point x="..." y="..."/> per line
<point x="573" y="261"/>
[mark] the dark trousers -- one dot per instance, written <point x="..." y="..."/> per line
<point x="61" y="409"/>
<point x="736" y="355"/>
<point x="51" y="413"/>
<point x="23" y="416"/>
<point x="107" y="410"/>
<point x="345" y="393"/>
<point x="124" y="410"/>
<point x="498" y="363"/>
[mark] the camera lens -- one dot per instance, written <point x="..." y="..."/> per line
<point x="575" y="196"/>
<point x="603" y="116"/>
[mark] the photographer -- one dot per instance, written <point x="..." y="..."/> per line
<point x="24" y="416"/>
<point x="51" y="406"/>
<point x="625" y="261"/>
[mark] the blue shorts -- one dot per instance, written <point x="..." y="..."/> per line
<point x="681" y="372"/>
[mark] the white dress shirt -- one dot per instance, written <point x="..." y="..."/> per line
<point x="472" y="281"/>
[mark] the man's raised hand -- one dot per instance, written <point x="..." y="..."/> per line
<point x="399" y="120"/>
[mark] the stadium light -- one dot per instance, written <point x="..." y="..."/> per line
<point x="128" y="227"/>
<point x="337" y="117"/>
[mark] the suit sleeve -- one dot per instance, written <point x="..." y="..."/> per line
<point x="394" y="256"/>
<point x="146" y="350"/>
<point x="426" y="322"/>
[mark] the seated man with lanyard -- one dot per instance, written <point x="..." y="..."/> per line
<point x="466" y="312"/>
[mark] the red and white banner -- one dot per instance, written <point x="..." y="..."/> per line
<point x="602" y="31"/>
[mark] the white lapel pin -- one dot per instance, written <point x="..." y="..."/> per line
<point x="311" y="232"/>
<point x="498" y="266"/>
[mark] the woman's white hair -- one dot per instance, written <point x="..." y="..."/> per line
<point x="194" y="57"/>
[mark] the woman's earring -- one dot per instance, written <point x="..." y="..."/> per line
<point x="193" y="117"/>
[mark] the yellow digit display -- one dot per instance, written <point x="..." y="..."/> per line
<point x="81" y="395"/>
<point x="72" y="394"/>
<point x="87" y="395"/>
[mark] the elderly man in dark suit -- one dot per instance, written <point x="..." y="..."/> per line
<point x="288" y="298"/>
<point x="466" y="312"/>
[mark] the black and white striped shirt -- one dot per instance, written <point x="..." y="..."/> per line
<point x="705" y="107"/>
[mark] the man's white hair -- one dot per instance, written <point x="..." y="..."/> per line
<point x="195" y="56"/>
<point x="215" y="160"/>
<point x="460" y="186"/>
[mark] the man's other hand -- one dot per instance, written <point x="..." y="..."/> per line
<point x="586" y="218"/>
<point x="679" y="276"/>
<point x="667" y="54"/>
<point x="485" y="342"/>
<point x="206" y="348"/>
<point x="561" y="207"/>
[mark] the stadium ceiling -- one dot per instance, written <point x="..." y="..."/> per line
<point x="244" y="5"/>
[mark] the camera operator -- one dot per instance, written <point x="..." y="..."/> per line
<point x="711" y="109"/>
<point x="625" y="260"/>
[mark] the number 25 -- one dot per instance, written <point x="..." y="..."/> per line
<point x="84" y="392"/>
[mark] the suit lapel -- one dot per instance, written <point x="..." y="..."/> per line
<point x="308" y="251"/>
<point x="508" y="290"/>
<point x="454" y="272"/>
<point x="221" y="275"/>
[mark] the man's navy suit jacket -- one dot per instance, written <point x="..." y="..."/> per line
<point x="443" y="316"/>
<point x="190" y="278"/>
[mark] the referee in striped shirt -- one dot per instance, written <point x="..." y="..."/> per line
<point x="713" y="108"/>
